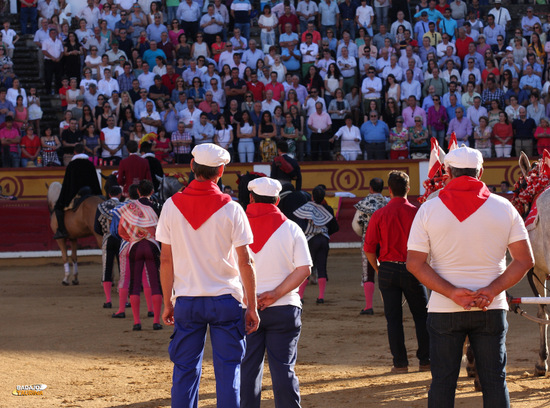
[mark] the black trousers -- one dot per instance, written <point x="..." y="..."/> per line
<point x="191" y="28"/>
<point x="320" y="146"/>
<point x="51" y="69"/>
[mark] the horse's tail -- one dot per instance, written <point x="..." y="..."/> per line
<point x="53" y="194"/>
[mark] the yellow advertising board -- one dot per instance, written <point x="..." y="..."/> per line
<point x="353" y="177"/>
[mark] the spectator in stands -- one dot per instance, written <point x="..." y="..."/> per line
<point x="52" y="49"/>
<point x="28" y="15"/>
<point x="240" y="11"/>
<point x="523" y="129"/>
<point x="10" y="139"/>
<point x="70" y="137"/>
<point x="375" y="133"/>
<point x="111" y="143"/>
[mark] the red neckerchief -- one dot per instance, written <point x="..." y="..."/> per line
<point x="264" y="220"/>
<point x="463" y="196"/>
<point x="199" y="201"/>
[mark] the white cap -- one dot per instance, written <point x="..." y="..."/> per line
<point x="498" y="1"/>
<point x="464" y="158"/>
<point x="265" y="186"/>
<point x="211" y="155"/>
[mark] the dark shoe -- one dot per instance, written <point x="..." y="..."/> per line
<point x="320" y="300"/>
<point x="424" y="367"/>
<point x="60" y="234"/>
<point x="128" y="304"/>
<point x="137" y="327"/>
<point x="120" y="315"/>
<point x="399" y="370"/>
<point x="64" y="283"/>
<point x="150" y="314"/>
<point x="157" y="326"/>
<point x="366" y="312"/>
<point x="107" y="305"/>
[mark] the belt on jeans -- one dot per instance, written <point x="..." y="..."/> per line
<point x="394" y="262"/>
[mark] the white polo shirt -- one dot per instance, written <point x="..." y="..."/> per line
<point x="204" y="259"/>
<point x="283" y="252"/>
<point x="111" y="137"/>
<point x="469" y="254"/>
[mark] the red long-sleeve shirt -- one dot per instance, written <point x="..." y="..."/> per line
<point x="390" y="226"/>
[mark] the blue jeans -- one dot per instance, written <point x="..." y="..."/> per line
<point x="28" y="14"/>
<point x="245" y="29"/>
<point x="171" y="13"/>
<point x="381" y="16"/>
<point x="487" y="334"/>
<point x="395" y="281"/>
<point x="440" y="136"/>
<point x="278" y="333"/>
<point x="192" y="316"/>
<point x="348" y="25"/>
<point x="246" y="150"/>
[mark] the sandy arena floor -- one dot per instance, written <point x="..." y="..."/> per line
<point x="62" y="337"/>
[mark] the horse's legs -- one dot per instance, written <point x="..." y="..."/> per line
<point x="63" y="247"/>
<point x="471" y="366"/>
<point x="75" y="261"/>
<point x="542" y="364"/>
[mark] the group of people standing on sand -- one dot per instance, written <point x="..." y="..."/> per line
<point x="455" y="245"/>
<point x="242" y="275"/>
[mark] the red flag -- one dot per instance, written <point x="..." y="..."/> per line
<point x="546" y="163"/>
<point x="435" y="160"/>
<point x="453" y="144"/>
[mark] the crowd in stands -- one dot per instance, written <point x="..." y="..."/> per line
<point x="345" y="80"/>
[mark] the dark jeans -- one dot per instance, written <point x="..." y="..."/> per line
<point x="191" y="29"/>
<point x="52" y="69"/>
<point x="487" y="334"/>
<point x="395" y="281"/>
<point x="376" y="151"/>
<point x="278" y="333"/>
<point x="320" y="146"/>
<point x="28" y="14"/>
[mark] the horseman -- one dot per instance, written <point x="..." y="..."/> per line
<point x="80" y="173"/>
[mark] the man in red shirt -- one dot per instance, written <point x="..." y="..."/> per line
<point x="389" y="227"/>
<point x="277" y="88"/>
<point x="288" y="17"/>
<point x="462" y="43"/>
<point x="256" y="87"/>
<point x="132" y="169"/>
<point x="311" y="30"/>
<point x="169" y="79"/>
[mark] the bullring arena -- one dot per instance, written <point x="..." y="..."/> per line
<point x="62" y="337"/>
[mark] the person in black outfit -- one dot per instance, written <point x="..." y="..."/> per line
<point x="285" y="168"/>
<point x="80" y="173"/>
<point x="154" y="164"/>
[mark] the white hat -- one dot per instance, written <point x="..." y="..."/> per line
<point x="265" y="186"/>
<point x="498" y="1"/>
<point x="464" y="158"/>
<point x="211" y="155"/>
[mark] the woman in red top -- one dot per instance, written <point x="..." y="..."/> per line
<point x="442" y="6"/>
<point x="542" y="134"/>
<point x="490" y="69"/>
<point x="502" y="136"/>
<point x="30" y="147"/>
<point x="162" y="147"/>
<point x="217" y="48"/>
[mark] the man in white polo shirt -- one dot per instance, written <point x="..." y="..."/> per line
<point x="466" y="230"/>
<point x="283" y="262"/>
<point x="201" y="229"/>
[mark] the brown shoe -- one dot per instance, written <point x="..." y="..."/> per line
<point x="399" y="370"/>
<point x="424" y="367"/>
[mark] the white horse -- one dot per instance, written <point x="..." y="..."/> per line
<point x="539" y="235"/>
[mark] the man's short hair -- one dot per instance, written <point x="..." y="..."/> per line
<point x="145" y="147"/>
<point x="205" y="172"/>
<point x="132" y="146"/>
<point x="263" y="199"/>
<point x="318" y="194"/>
<point x="398" y="182"/>
<point x="283" y="146"/>
<point x="145" y="188"/>
<point x="115" y="191"/>
<point x="133" y="192"/>
<point x="377" y="184"/>
<point x="79" y="148"/>
<point x="463" y="172"/>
